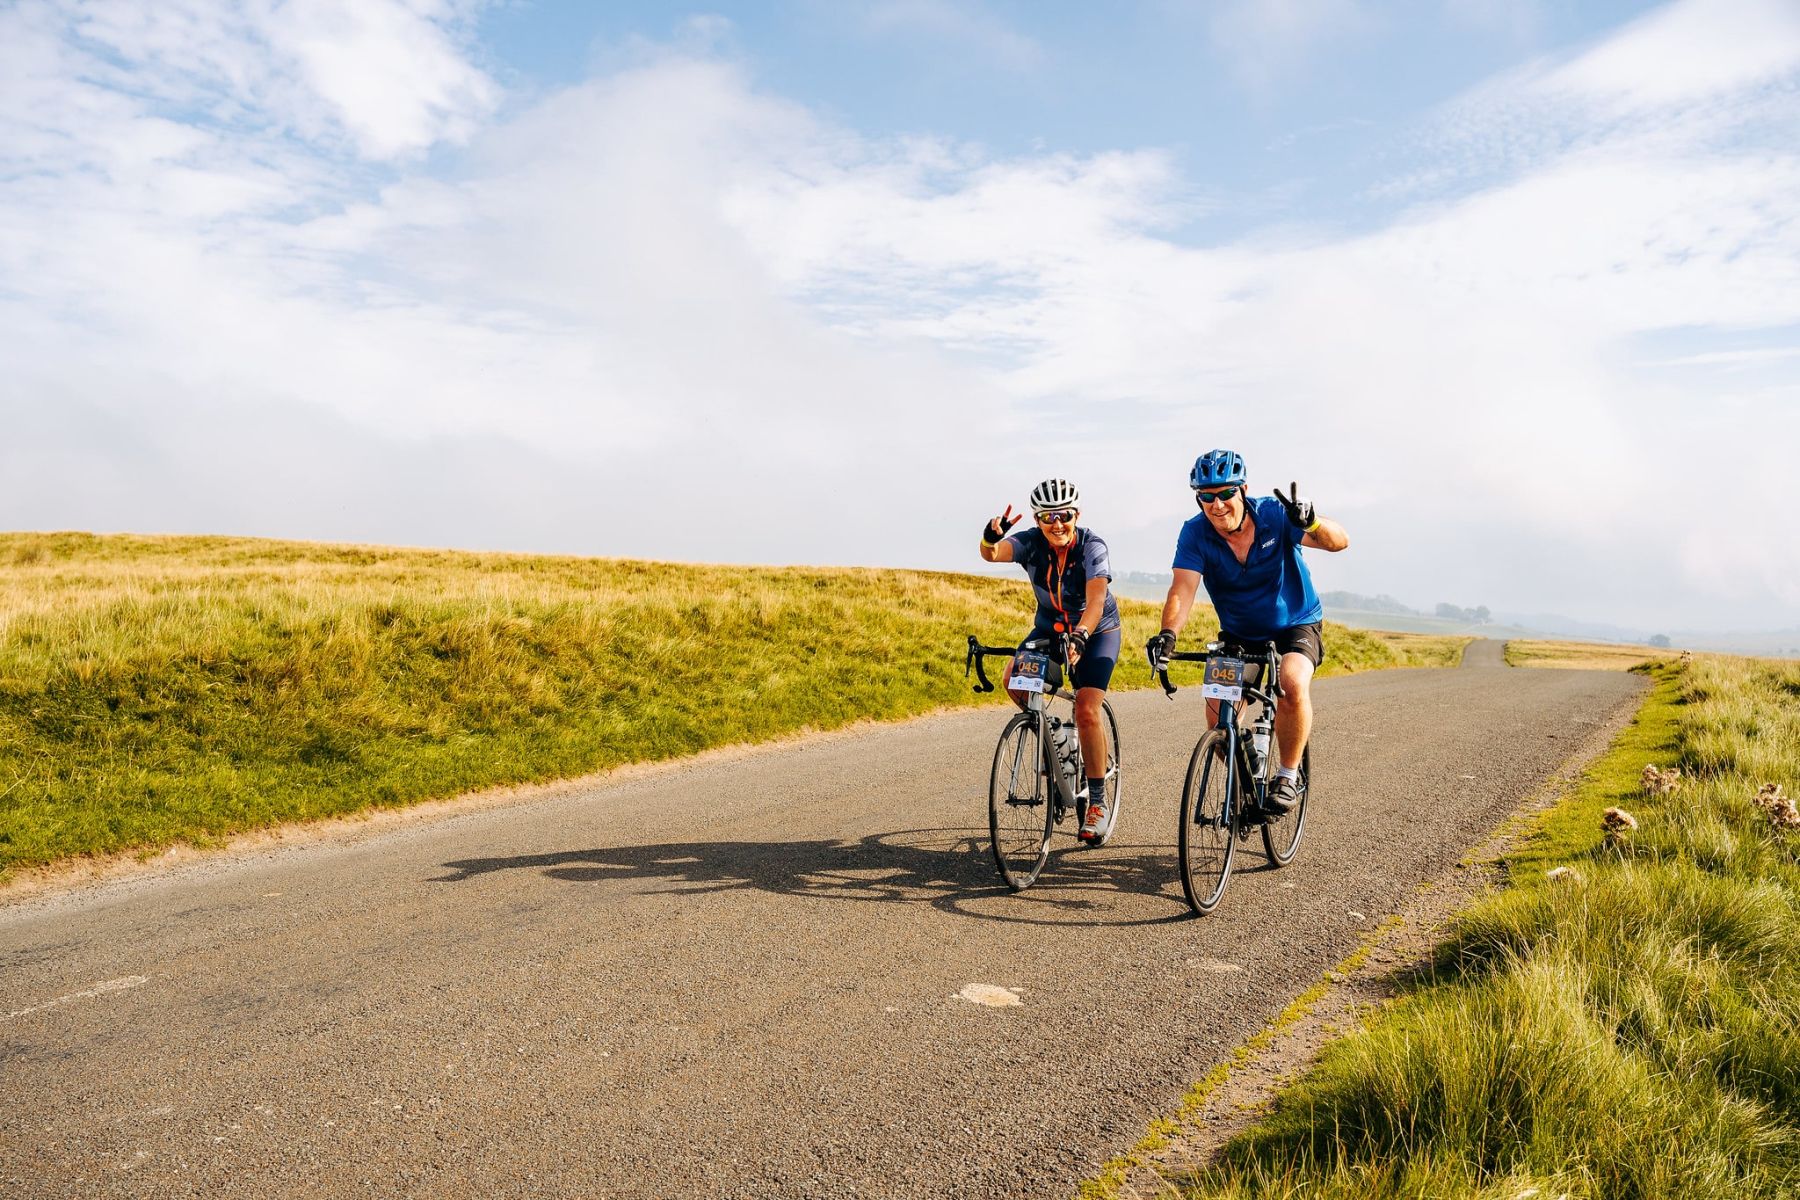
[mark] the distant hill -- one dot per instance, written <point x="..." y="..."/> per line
<point x="1383" y="603"/>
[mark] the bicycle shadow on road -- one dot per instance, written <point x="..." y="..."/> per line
<point x="948" y="869"/>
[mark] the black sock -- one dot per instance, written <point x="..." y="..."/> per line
<point x="1096" y="791"/>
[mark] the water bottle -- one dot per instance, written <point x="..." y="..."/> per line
<point x="1066" y="748"/>
<point x="1259" y="741"/>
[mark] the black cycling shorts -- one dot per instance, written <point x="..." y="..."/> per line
<point x="1096" y="666"/>
<point x="1295" y="639"/>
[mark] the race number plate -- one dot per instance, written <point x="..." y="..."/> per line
<point x="1029" y="670"/>
<point x="1224" y="679"/>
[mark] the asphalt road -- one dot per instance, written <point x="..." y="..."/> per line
<point x="739" y="977"/>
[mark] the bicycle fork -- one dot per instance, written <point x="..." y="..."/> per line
<point x="1235" y="767"/>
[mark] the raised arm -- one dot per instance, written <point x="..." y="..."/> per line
<point x="994" y="546"/>
<point x="1326" y="535"/>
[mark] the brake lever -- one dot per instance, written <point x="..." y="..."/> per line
<point x="974" y="660"/>
<point x="1161" y="673"/>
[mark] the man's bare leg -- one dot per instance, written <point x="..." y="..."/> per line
<point x="1293" y="720"/>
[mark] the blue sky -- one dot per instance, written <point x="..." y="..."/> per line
<point x="1511" y="288"/>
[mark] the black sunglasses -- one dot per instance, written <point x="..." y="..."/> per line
<point x="1223" y="494"/>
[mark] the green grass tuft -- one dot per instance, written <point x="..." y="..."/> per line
<point x="1632" y="1031"/>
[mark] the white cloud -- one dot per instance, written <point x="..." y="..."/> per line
<point x="1696" y="76"/>
<point x="391" y="73"/>
<point x="1687" y="51"/>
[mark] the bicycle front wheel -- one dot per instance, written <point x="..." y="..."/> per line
<point x="1020" y="812"/>
<point x="1281" y="835"/>
<point x="1209" y="820"/>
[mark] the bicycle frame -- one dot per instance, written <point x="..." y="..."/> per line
<point x="1236" y="757"/>
<point x="1037" y="703"/>
<point x="1208" y="832"/>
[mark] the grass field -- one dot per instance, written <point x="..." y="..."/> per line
<point x="1418" y="649"/>
<point x="1584" y="656"/>
<point x="156" y="690"/>
<point x="1629" y="1029"/>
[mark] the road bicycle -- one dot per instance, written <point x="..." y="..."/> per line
<point x="1038" y="778"/>
<point x="1229" y="775"/>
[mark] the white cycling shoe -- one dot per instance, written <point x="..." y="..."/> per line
<point x="1095" y="823"/>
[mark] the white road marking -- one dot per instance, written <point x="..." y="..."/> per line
<point x="99" y="989"/>
<point x="989" y="995"/>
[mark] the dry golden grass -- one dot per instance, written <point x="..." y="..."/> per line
<point x="1426" y="649"/>
<point x="1585" y="656"/>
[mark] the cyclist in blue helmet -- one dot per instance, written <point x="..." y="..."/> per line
<point x="1247" y="551"/>
<point x="1070" y="569"/>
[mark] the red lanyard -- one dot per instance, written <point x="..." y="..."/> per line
<point x="1061" y="565"/>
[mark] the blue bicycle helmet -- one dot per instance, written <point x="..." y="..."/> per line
<point x="1217" y="468"/>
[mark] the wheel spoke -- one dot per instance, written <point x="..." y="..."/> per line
<point x="1019" y="804"/>
<point x="1281" y="835"/>
<point x="1206" y="834"/>
<point x="1114" y="791"/>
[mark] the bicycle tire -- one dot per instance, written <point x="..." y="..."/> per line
<point x="1020" y="809"/>
<point x="1113" y="777"/>
<point x="1281" y="835"/>
<point x="1207" y="837"/>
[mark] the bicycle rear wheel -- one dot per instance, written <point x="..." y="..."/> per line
<point x="1208" y="836"/>
<point x="1110" y="725"/>
<point x="1020" y="812"/>
<point x="1281" y="834"/>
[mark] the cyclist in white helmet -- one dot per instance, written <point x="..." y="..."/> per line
<point x="1069" y="569"/>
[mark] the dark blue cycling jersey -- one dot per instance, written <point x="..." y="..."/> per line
<point x="1271" y="590"/>
<point x="1060" y="579"/>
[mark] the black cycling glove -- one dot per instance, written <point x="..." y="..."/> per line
<point x="1159" y="648"/>
<point x="994" y="530"/>
<point x="1299" y="508"/>
<point x="1078" y="640"/>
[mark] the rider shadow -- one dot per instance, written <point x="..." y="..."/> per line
<point x="949" y="869"/>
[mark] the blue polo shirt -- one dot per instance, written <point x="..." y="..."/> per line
<point x="1271" y="590"/>
<point x="1060" y="580"/>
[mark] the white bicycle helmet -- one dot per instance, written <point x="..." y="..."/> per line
<point x="1053" y="494"/>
